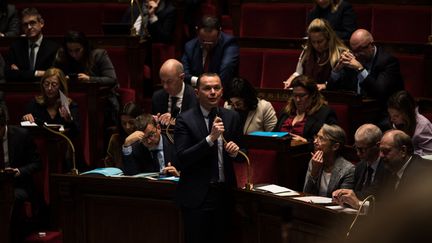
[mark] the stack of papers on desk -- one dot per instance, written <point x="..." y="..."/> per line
<point x="315" y="199"/>
<point x="107" y="171"/>
<point x="342" y="209"/>
<point x="278" y="190"/>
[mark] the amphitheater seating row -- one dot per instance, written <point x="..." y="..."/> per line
<point x="408" y="24"/>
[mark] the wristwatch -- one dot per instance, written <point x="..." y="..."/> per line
<point x="360" y="69"/>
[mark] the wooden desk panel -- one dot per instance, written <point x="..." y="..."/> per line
<point x="103" y="209"/>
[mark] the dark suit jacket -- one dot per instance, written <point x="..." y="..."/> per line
<point x="195" y="156"/>
<point x="343" y="20"/>
<point x="417" y="171"/>
<point x="383" y="80"/>
<point x="314" y="122"/>
<point x="381" y="180"/>
<point x="9" y="21"/>
<point x="140" y="160"/>
<point x="19" y="55"/>
<point x="163" y="29"/>
<point x="224" y="60"/>
<point x="160" y="100"/>
<point x="23" y="155"/>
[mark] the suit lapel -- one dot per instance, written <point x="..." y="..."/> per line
<point x="335" y="176"/>
<point x="249" y="120"/>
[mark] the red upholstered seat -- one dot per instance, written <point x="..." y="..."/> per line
<point x="413" y="69"/>
<point x="364" y="16"/>
<point x="263" y="167"/>
<point x="344" y="119"/>
<point x="273" y="20"/>
<point x="113" y="12"/>
<point x="410" y="24"/>
<point x="278" y="65"/>
<point x="251" y="65"/>
<point x="45" y="237"/>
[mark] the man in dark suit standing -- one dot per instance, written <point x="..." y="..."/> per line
<point x="28" y="58"/>
<point x="206" y="139"/>
<point x="408" y="169"/>
<point x="153" y="153"/>
<point x="18" y="156"/>
<point x="211" y="51"/>
<point x="368" y="71"/>
<point x="176" y="96"/>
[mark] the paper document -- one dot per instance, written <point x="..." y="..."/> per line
<point x="107" y="171"/>
<point x="28" y="124"/>
<point x="169" y="178"/>
<point x="65" y="102"/>
<point x="275" y="189"/>
<point x="342" y="209"/>
<point x="315" y="199"/>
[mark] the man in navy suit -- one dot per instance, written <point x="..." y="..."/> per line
<point x="154" y="152"/>
<point x="176" y="96"/>
<point x="28" y="58"/>
<point x="211" y="51"/>
<point x="206" y="140"/>
<point x="369" y="71"/>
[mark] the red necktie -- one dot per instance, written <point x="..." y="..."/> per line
<point x="207" y="62"/>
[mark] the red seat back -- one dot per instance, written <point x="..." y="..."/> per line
<point x="413" y="70"/>
<point x="278" y="65"/>
<point x="251" y="65"/>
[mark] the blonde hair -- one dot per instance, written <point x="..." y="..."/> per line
<point x="41" y="99"/>
<point x="335" y="44"/>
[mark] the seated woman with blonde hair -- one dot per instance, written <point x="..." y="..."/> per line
<point x="321" y="53"/>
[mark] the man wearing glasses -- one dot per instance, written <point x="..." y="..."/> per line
<point x="211" y="51"/>
<point x="28" y="58"/>
<point x="368" y="70"/>
<point x="370" y="173"/>
<point x="152" y="153"/>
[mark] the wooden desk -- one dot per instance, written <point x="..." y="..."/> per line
<point x="103" y="209"/>
<point x="95" y="95"/>
<point x="6" y="204"/>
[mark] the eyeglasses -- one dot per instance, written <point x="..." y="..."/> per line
<point x="363" y="149"/>
<point x="299" y="95"/>
<point x="47" y="84"/>
<point x="150" y="135"/>
<point x="31" y="23"/>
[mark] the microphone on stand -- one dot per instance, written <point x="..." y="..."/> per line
<point x="39" y="123"/>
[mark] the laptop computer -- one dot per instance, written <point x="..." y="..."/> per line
<point x="116" y="28"/>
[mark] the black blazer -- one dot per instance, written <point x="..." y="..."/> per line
<point x="314" y="122"/>
<point x="381" y="180"/>
<point x="383" y="80"/>
<point x="195" y="156"/>
<point x="160" y="100"/>
<point x="417" y="171"/>
<point x="19" y="55"/>
<point x="343" y="20"/>
<point x="23" y="155"/>
<point x="9" y="21"/>
<point x="161" y="30"/>
<point x="140" y="160"/>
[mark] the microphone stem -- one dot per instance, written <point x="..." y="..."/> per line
<point x="74" y="170"/>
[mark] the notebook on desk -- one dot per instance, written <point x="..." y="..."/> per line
<point x="116" y="28"/>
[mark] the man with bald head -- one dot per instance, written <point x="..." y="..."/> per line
<point x="368" y="70"/>
<point x="176" y="96"/>
<point x="397" y="153"/>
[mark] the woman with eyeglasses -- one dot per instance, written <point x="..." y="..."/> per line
<point x="306" y="111"/>
<point x="328" y="170"/>
<point x="321" y="53"/>
<point x="255" y="114"/>
<point x="49" y="107"/>
<point x="404" y="115"/>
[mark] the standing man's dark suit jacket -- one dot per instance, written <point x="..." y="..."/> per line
<point x="381" y="180"/>
<point x="23" y="155"/>
<point x="224" y="59"/>
<point x="19" y="55"/>
<point x="140" y="160"/>
<point x="195" y="156"/>
<point x="160" y="100"/>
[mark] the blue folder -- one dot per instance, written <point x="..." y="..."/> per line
<point x="269" y="134"/>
